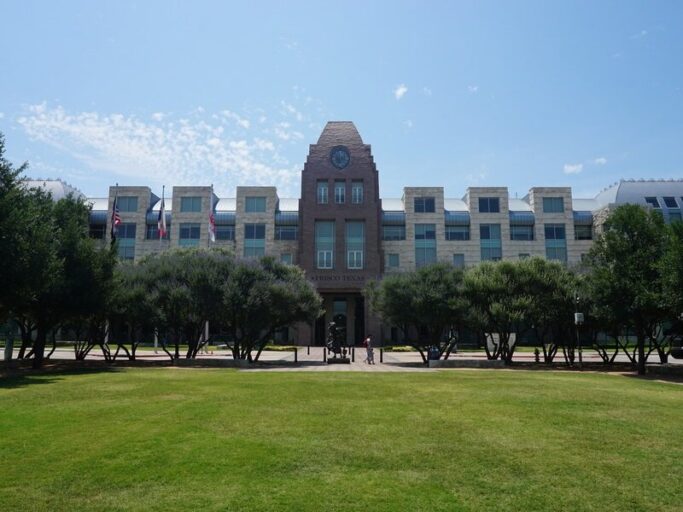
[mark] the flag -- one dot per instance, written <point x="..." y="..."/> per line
<point x="115" y="219"/>
<point x="161" y="222"/>
<point x="212" y="226"/>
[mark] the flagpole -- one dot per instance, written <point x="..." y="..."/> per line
<point x="113" y="229"/>
<point x="162" y="213"/>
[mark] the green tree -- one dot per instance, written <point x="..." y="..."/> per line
<point x="498" y="293"/>
<point x="262" y="296"/>
<point x="428" y="305"/>
<point x="626" y="277"/>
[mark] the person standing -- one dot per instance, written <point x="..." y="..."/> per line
<point x="370" y="352"/>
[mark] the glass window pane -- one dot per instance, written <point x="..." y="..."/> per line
<point x="553" y="205"/>
<point x="255" y="204"/>
<point x="322" y="192"/>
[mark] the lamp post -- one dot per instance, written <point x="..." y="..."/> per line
<point x="578" y="320"/>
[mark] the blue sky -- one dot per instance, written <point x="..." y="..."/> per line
<point x="455" y="94"/>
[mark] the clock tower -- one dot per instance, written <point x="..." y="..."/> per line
<point x="339" y="239"/>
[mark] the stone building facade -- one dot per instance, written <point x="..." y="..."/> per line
<point x="342" y="234"/>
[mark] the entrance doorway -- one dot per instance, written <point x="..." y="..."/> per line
<point x="339" y="310"/>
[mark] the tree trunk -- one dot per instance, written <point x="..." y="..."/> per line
<point x="39" y="346"/>
<point x="641" y="354"/>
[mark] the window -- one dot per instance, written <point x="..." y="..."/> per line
<point x="126" y="240"/>
<point x="357" y="192"/>
<point x="225" y="232"/>
<point x="340" y="192"/>
<point x="670" y="202"/>
<point x="521" y="232"/>
<point x="255" y="205"/>
<point x="459" y="260"/>
<point x="425" y="244"/>
<point x="97" y="231"/>
<point x="127" y="203"/>
<point x="322" y="192"/>
<point x="286" y="232"/>
<point x="457" y="232"/>
<point x="189" y="235"/>
<point x="392" y="260"/>
<point x="555" y="242"/>
<point x="583" y="232"/>
<point x="489" y="205"/>
<point x="424" y="205"/>
<point x="324" y="244"/>
<point x="553" y="205"/>
<point x="393" y="232"/>
<point x="286" y="258"/>
<point x="491" y="249"/>
<point x="652" y="201"/>
<point x="152" y="232"/>
<point x="190" y="204"/>
<point x="355" y="244"/>
<point x="554" y="232"/>
<point x="254" y="240"/>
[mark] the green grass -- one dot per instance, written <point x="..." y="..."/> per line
<point x="180" y="439"/>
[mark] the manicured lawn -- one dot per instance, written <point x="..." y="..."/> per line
<point x="194" y="439"/>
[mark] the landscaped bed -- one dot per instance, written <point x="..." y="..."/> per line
<point x="198" y="439"/>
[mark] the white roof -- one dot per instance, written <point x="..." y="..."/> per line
<point x="585" y="205"/>
<point x="518" y="205"/>
<point x="99" y="203"/>
<point x="226" y="204"/>
<point x="289" y="204"/>
<point x="57" y="188"/>
<point x="392" y="205"/>
<point x="168" y="205"/>
<point x="455" y="205"/>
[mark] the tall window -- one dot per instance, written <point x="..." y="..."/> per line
<point x="521" y="232"/>
<point x="457" y="232"/>
<point x="324" y="244"/>
<point x="286" y="257"/>
<point x="393" y="232"/>
<point x="339" y="192"/>
<point x="555" y="242"/>
<point x="153" y="232"/>
<point x="355" y="244"/>
<point x="491" y="248"/>
<point x="583" y="232"/>
<point x="357" y="191"/>
<point x="459" y="260"/>
<point x="125" y="237"/>
<point x="225" y="232"/>
<point x="489" y="205"/>
<point x="127" y="203"/>
<point x="553" y="205"/>
<point x="254" y="240"/>
<point x="286" y="232"/>
<point x="255" y="204"/>
<point x="652" y="201"/>
<point x="424" y="205"/>
<point x="322" y="192"/>
<point x="190" y="204"/>
<point x="425" y="244"/>
<point x="189" y="235"/>
<point x="392" y="260"/>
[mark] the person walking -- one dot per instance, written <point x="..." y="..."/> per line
<point x="369" y="351"/>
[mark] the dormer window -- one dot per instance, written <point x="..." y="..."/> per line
<point x="652" y="201"/>
<point x="489" y="205"/>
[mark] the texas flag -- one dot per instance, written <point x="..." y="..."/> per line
<point x="212" y="227"/>
<point x="161" y="222"/>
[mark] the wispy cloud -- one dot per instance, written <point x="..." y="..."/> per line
<point x="400" y="91"/>
<point x="426" y="91"/>
<point x="601" y="160"/>
<point x="473" y="89"/>
<point x="572" y="168"/>
<point x="198" y="148"/>
<point x="2" y="114"/>
<point x="408" y="123"/>
<point x="640" y="34"/>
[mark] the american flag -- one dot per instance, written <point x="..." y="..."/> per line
<point x="115" y="219"/>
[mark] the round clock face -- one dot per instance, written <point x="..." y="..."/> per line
<point x="340" y="157"/>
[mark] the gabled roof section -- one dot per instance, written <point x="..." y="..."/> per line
<point x="340" y="132"/>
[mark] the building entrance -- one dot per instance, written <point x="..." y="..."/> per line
<point x="347" y="311"/>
